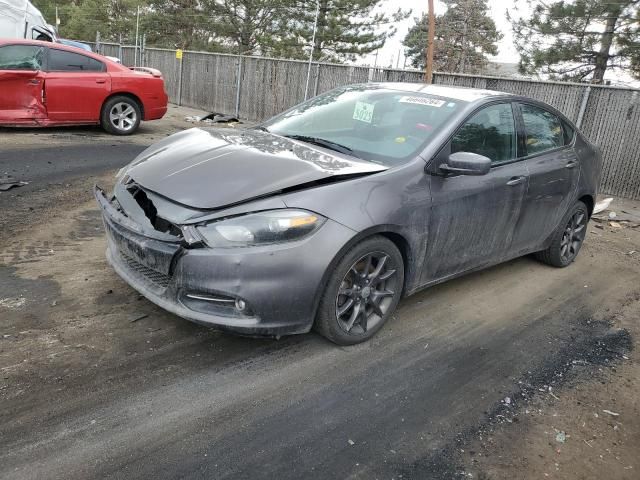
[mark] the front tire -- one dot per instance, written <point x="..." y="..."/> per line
<point x="362" y="292"/>
<point x="567" y="240"/>
<point x="120" y="115"/>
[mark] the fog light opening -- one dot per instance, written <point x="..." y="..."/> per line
<point x="217" y="304"/>
<point x="241" y="305"/>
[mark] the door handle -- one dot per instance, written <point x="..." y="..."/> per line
<point x="571" y="164"/>
<point x="516" y="181"/>
<point x="34" y="82"/>
<point x="101" y="81"/>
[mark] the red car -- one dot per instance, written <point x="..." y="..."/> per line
<point x="44" y="84"/>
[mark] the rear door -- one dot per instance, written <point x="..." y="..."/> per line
<point x="21" y="84"/>
<point x="554" y="171"/>
<point x="473" y="217"/>
<point x="76" y="86"/>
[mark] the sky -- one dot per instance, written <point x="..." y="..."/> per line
<point x="506" y="51"/>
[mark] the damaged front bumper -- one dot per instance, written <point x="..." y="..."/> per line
<point x="268" y="290"/>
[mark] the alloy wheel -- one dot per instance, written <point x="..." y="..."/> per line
<point x="122" y="116"/>
<point x="573" y="236"/>
<point x="366" y="293"/>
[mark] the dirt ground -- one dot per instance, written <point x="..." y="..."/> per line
<point x="518" y="372"/>
<point x="584" y="422"/>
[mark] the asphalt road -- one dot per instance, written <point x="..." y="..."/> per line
<point x="88" y="393"/>
<point x="46" y="166"/>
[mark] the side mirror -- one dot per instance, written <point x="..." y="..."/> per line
<point x="466" y="163"/>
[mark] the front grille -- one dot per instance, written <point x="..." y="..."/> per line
<point x="158" y="279"/>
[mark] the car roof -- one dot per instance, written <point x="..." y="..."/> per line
<point x="56" y="45"/>
<point x="466" y="94"/>
<point x="74" y="43"/>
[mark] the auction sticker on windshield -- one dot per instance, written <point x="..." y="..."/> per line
<point x="432" y="102"/>
<point x="363" y="112"/>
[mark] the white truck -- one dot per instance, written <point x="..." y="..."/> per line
<point x="20" y="19"/>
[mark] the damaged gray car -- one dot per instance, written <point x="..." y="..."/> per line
<point x="326" y="215"/>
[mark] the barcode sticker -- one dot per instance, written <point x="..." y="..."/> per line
<point x="431" y="102"/>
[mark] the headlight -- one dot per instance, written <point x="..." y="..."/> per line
<point x="274" y="226"/>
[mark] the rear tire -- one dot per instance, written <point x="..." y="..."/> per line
<point x="120" y="115"/>
<point x="567" y="239"/>
<point x="362" y="292"/>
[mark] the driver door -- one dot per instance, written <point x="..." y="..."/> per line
<point x="473" y="218"/>
<point x="21" y="84"/>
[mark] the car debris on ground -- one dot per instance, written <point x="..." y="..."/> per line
<point x="616" y="219"/>
<point x="7" y="182"/>
<point x="602" y="205"/>
<point x="135" y="318"/>
<point x="212" y="118"/>
<point x="609" y="412"/>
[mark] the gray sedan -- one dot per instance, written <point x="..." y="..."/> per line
<point x="327" y="215"/>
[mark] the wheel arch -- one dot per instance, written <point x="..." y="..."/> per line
<point x="589" y="201"/>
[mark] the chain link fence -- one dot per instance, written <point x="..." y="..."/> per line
<point x="256" y="88"/>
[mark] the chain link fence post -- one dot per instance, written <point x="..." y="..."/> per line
<point x="180" y="60"/>
<point x="238" y="86"/>
<point x="143" y="53"/>
<point x="583" y="106"/>
<point x="317" y="81"/>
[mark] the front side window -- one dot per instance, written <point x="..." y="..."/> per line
<point x="491" y="132"/>
<point x="37" y="34"/>
<point x="543" y="130"/>
<point x="21" y="57"/>
<point x="63" y="61"/>
<point x="371" y="122"/>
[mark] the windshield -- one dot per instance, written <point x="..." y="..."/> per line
<point x="385" y="126"/>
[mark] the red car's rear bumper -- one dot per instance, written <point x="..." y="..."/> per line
<point x="155" y="113"/>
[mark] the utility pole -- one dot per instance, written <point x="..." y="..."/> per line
<point x="428" y="73"/>
<point x="313" y="45"/>
<point x="135" y="53"/>
<point x="463" y="54"/>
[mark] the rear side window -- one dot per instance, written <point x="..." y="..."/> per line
<point x="490" y="132"/>
<point x="543" y="130"/>
<point x="569" y="133"/>
<point x="62" y="61"/>
<point x="21" y="57"/>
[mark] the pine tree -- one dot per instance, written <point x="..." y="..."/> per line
<point x="579" y="40"/>
<point x="81" y="19"/>
<point x="346" y="29"/>
<point x="249" y="27"/>
<point x="464" y="35"/>
<point x="183" y="24"/>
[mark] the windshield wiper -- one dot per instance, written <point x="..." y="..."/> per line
<point x="261" y="128"/>
<point x="337" y="147"/>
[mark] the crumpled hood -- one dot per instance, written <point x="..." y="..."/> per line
<point x="214" y="168"/>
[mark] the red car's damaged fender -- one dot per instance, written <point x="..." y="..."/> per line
<point x="46" y="84"/>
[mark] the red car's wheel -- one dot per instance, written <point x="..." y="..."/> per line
<point x="120" y="115"/>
